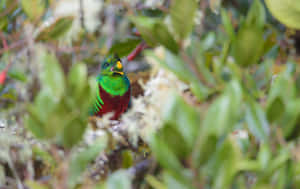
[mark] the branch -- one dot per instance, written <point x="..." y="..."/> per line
<point x="3" y="74"/>
<point x="12" y="46"/>
<point x="81" y="12"/>
<point x="136" y="51"/>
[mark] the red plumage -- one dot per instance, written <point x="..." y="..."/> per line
<point x="115" y="104"/>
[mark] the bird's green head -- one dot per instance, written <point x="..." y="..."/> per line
<point x="112" y="66"/>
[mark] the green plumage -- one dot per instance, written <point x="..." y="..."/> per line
<point x="114" y="85"/>
<point x="114" y="89"/>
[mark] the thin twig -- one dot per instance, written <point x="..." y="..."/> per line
<point x="13" y="46"/>
<point x="4" y="72"/>
<point x="136" y="51"/>
<point x="81" y="12"/>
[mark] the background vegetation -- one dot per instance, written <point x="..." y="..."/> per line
<point x="216" y="94"/>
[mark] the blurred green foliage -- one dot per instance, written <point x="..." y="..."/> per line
<point x="287" y="12"/>
<point x="205" y="153"/>
<point x="61" y="107"/>
<point x="56" y="29"/>
<point x="242" y="131"/>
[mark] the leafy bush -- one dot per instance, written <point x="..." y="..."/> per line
<point x="231" y="121"/>
<point x="61" y="107"/>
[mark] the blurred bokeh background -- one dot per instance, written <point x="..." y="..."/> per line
<point x="215" y="93"/>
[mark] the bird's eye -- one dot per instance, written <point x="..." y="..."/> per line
<point x="105" y="65"/>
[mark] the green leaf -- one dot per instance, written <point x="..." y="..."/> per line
<point x="287" y="12"/>
<point x="60" y="111"/>
<point x="177" y="182"/>
<point x="52" y="76"/>
<point x="152" y="12"/>
<point x="164" y="37"/>
<point x="224" y="168"/>
<point x="119" y="180"/>
<point x="56" y="121"/>
<point x="290" y="119"/>
<point x="263" y="186"/>
<point x="154" y="31"/>
<point x="145" y="26"/>
<point x="264" y="156"/>
<point x="164" y="154"/>
<point x="34" y="125"/>
<point x="127" y="159"/>
<point x="282" y="91"/>
<point x="18" y="75"/>
<point x="154" y="182"/>
<point x="56" y="29"/>
<point x="77" y="79"/>
<point x="248" y="45"/>
<point x="270" y="41"/>
<point x="34" y="9"/>
<point x="3" y="23"/>
<point x="223" y="113"/>
<point x="219" y="120"/>
<point x="282" y="87"/>
<point x="3" y="4"/>
<point x="93" y="88"/>
<point x="227" y="24"/>
<point x="184" y="118"/>
<point x="80" y="161"/>
<point x="42" y="100"/>
<point x="275" y="109"/>
<point x="257" y="121"/>
<point x="125" y="47"/>
<point x="2" y="174"/>
<point x="174" y="140"/>
<point x="278" y="161"/>
<point x="204" y="148"/>
<point x="35" y="185"/>
<point x="74" y="131"/>
<point x="200" y="91"/>
<point x="182" y="16"/>
<point x="256" y="16"/>
<point x="175" y="64"/>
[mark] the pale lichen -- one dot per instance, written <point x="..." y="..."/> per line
<point x="145" y="117"/>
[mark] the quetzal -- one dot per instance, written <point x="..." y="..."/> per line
<point x="113" y="94"/>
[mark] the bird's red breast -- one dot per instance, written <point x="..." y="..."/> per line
<point x="115" y="104"/>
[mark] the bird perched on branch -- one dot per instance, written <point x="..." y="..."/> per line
<point x="113" y="93"/>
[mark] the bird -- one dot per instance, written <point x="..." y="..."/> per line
<point x="114" y="90"/>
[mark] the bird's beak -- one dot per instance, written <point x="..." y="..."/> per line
<point x="119" y="65"/>
<point x="118" y="68"/>
<point x="121" y="73"/>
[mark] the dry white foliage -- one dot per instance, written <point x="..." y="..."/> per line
<point x="154" y="3"/>
<point x="198" y="17"/>
<point x="145" y="116"/>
